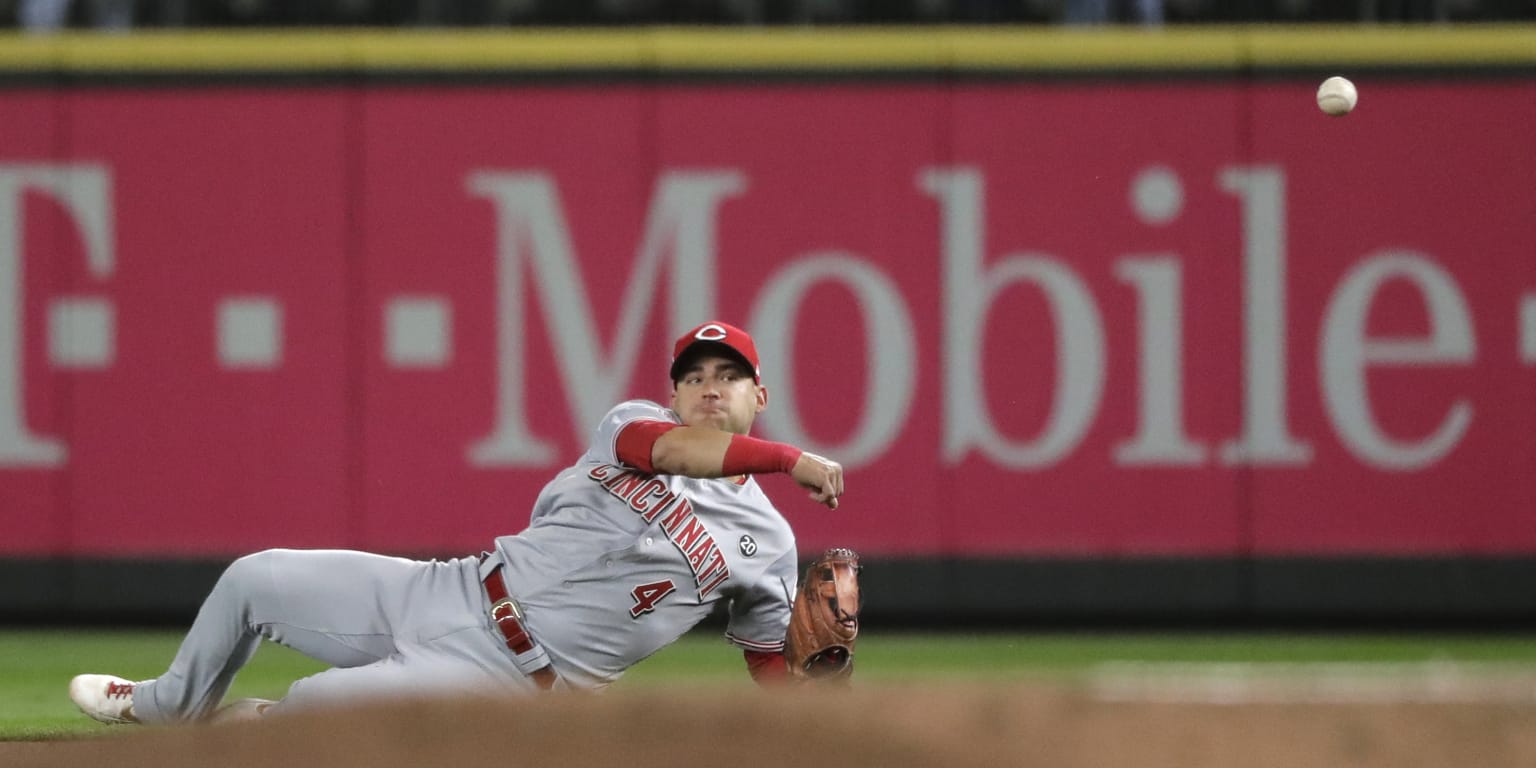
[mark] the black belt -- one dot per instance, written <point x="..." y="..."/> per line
<point x="508" y="617"/>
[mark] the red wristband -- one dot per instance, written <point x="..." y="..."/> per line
<point x="749" y="455"/>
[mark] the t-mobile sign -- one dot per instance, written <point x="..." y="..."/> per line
<point x="1095" y="319"/>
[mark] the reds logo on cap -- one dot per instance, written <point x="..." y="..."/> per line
<point x="725" y="338"/>
<point x="711" y="332"/>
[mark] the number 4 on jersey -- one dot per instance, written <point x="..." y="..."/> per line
<point x="648" y="595"/>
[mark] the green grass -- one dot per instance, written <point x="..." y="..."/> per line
<point x="35" y="666"/>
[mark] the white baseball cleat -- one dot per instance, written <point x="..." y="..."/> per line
<point x="105" y="698"/>
<point x="240" y="711"/>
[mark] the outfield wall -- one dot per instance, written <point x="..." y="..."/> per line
<point x="1104" y="324"/>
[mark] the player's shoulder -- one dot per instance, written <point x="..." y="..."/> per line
<point x="603" y="448"/>
<point x="637" y="410"/>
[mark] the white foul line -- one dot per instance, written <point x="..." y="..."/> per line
<point x="1321" y="682"/>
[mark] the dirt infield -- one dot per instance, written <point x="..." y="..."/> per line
<point x="866" y="726"/>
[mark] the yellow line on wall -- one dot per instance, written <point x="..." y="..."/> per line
<point x="958" y="49"/>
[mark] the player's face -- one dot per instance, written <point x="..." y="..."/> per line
<point x="718" y="392"/>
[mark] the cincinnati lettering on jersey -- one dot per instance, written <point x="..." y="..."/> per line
<point x="651" y="499"/>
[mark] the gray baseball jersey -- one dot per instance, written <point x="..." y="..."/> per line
<point x="616" y="564"/>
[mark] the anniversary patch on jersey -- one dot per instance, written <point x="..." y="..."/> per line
<point x="650" y="498"/>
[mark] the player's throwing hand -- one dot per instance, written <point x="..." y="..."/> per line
<point x="823" y="477"/>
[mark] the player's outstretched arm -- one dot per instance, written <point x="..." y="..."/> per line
<point x="690" y="451"/>
<point x="703" y="452"/>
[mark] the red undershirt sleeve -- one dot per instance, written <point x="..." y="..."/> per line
<point x="767" y="667"/>
<point x="635" y="441"/>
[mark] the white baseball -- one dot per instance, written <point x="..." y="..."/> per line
<point x="1336" y="96"/>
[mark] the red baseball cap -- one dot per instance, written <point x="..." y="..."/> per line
<point x="718" y="337"/>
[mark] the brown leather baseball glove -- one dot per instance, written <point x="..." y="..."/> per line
<point x="824" y="620"/>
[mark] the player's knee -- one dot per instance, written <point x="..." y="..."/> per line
<point x="250" y="573"/>
<point x="254" y="562"/>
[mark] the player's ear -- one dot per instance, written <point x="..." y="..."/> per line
<point x="762" y="398"/>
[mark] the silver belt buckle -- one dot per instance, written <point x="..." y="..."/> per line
<point x="512" y="607"/>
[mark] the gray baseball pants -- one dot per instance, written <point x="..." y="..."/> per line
<point x="390" y="627"/>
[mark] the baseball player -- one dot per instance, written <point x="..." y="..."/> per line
<point x="625" y="551"/>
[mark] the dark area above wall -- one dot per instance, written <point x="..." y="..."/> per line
<point x="1293" y="593"/>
